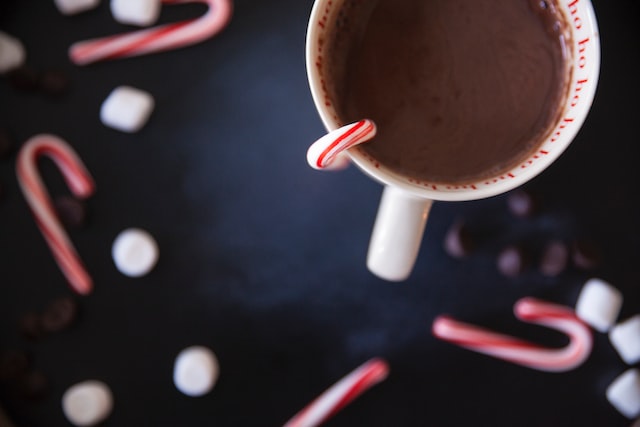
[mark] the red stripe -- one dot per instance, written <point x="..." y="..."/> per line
<point x="367" y="379"/>
<point x="339" y="140"/>
<point x="157" y="34"/>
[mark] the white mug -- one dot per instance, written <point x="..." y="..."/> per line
<point x="406" y="201"/>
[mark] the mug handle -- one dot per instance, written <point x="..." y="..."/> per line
<point x="397" y="234"/>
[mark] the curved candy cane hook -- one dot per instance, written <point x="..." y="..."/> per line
<point x="326" y="152"/>
<point x="522" y="352"/>
<point x="156" y="39"/>
<point x="80" y="183"/>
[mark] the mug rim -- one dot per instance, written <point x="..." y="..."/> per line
<point x="555" y="143"/>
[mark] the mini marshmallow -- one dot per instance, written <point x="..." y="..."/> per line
<point x="126" y="109"/>
<point x="135" y="252"/>
<point x="12" y="53"/>
<point x="599" y="304"/>
<point x="87" y="403"/>
<point x="72" y="7"/>
<point x="624" y="393"/>
<point x="136" y="12"/>
<point x="195" y="371"/>
<point x="625" y="337"/>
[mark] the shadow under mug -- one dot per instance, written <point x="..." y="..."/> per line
<point x="406" y="201"/>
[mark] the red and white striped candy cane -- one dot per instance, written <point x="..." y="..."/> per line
<point x="156" y="39"/>
<point x="80" y="183"/>
<point x="340" y="394"/>
<point x="324" y="153"/>
<point x="522" y="352"/>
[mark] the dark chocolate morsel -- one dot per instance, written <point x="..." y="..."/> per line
<point x="4" y="419"/>
<point x="53" y="82"/>
<point x="33" y="385"/>
<point x="24" y="78"/>
<point x="555" y="257"/>
<point x="585" y="254"/>
<point x="512" y="261"/>
<point x="59" y="314"/>
<point x="31" y="325"/>
<point x="6" y="144"/>
<point x="522" y="203"/>
<point x="13" y="364"/>
<point x="71" y="211"/>
<point x="458" y="242"/>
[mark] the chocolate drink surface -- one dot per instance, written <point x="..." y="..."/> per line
<point x="460" y="90"/>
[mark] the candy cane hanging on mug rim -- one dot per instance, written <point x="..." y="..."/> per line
<point x="522" y="352"/>
<point x="155" y="39"/>
<point x="81" y="185"/>
<point x="324" y="153"/>
<point x="340" y="394"/>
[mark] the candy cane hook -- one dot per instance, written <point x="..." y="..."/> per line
<point x="340" y="394"/>
<point x="325" y="152"/>
<point x="522" y="352"/>
<point x="155" y="39"/>
<point x="80" y="183"/>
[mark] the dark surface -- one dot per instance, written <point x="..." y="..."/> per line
<point x="263" y="259"/>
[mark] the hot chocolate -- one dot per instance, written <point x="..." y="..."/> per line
<point x="460" y="90"/>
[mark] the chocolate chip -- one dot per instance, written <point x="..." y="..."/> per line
<point x="24" y="79"/>
<point x="13" y="364"/>
<point x="458" y="242"/>
<point x="31" y="325"/>
<point x="585" y="254"/>
<point x="33" y="385"/>
<point x="71" y="211"/>
<point x="522" y="203"/>
<point x="554" y="258"/>
<point x="512" y="261"/>
<point x="59" y="314"/>
<point x="53" y="82"/>
<point x="4" y="419"/>
<point x="6" y="144"/>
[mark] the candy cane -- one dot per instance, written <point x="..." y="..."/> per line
<point x="522" y="352"/>
<point x="340" y="394"/>
<point x="80" y="183"/>
<point x="156" y="39"/>
<point x="323" y="153"/>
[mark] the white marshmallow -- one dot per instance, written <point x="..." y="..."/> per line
<point x="195" y="371"/>
<point x="12" y="53"/>
<point x="71" y="7"/>
<point x="136" y="12"/>
<point x="87" y="403"/>
<point x="126" y="109"/>
<point x="599" y="304"/>
<point x="135" y="252"/>
<point x="624" y="393"/>
<point x="625" y="337"/>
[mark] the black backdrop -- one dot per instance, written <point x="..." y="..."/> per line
<point x="263" y="259"/>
